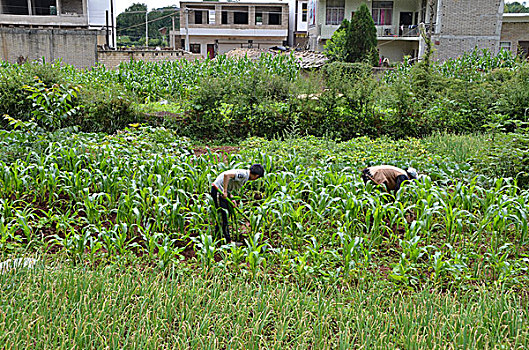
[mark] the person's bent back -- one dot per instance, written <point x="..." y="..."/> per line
<point x="389" y="176"/>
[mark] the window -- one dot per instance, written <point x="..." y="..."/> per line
<point x="505" y="45"/>
<point x="240" y="17"/>
<point x="194" y="48"/>
<point x="44" y="7"/>
<point x="198" y="17"/>
<point x="304" y="10"/>
<point x="15" y="7"/>
<point x="335" y="12"/>
<point x="274" y="18"/>
<point x="224" y="17"/>
<point x="382" y="12"/>
<point x="259" y="18"/>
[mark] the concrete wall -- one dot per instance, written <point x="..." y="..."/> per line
<point x="112" y="58"/>
<point x="77" y="47"/>
<point x="464" y="25"/>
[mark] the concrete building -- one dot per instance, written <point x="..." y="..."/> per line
<point x="515" y="33"/>
<point x="299" y="23"/>
<point x="54" y="29"/>
<point x="459" y="25"/>
<point x="211" y="28"/>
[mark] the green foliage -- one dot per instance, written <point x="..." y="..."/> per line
<point x="53" y="106"/>
<point x="507" y="155"/>
<point x="144" y="192"/>
<point x="229" y="99"/>
<point x="336" y="48"/>
<point x="363" y="38"/>
<point x="131" y="25"/>
<point x="516" y="7"/>
<point x="355" y="41"/>
<point x="133" y="306"/>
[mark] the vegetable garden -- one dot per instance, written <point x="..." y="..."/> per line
<point x="122" y="227"/>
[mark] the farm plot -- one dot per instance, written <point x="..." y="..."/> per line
<point x="122" y="227"/>
<point x="143" y="192"/>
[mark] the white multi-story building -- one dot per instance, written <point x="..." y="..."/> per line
<point x="459" y="25"/>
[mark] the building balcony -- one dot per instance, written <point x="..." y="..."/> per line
<point x="386" y="32"/>
<point x="45" y="21"/>
<point x="396" y="31"/>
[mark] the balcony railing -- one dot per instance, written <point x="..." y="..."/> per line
<point x="398" y="31"/>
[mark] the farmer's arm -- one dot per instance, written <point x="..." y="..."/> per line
<point x="227" y="176"/>
<point x="399" y="181"/>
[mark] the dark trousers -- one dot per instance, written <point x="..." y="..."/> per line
<point x="223" y="208"/>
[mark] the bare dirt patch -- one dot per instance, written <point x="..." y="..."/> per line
<point x="224" y="150"/>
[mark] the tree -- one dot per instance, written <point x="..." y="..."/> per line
<point x="336" y="47"/>
<point x="131" y="24"/>
<point x="516" y="7"/>
<point x="363" y="38"/>
<point x="355" y="41"/>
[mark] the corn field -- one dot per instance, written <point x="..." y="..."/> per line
<point x="316" y="243"/>
<point x="144" y="192"/>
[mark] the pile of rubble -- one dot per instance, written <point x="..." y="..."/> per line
<point x="307" y="59"/>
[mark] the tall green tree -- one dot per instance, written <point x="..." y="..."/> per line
<point x="363" y="37"/>
<point x="355" y="41"/>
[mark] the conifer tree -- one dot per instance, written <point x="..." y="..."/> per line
<point x="355" y="40"/>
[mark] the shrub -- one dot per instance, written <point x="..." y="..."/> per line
<point x="108" y="114"/>
<point x="506" y="156"/>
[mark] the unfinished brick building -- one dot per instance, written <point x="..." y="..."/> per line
<point x="53" y="29"/>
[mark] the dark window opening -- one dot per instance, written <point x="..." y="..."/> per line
<point x="15" y="7"/>
<point x="224" y="17"/>
<point x="194" y="48"/>
<point x="274" y="18"/>
<point x="523" y="48"/>
<point x="44" y="7"/>
<point x="198" y="17"/>
<point x="304" y="12"/>
<point x="406" y="18"/>
<point x="259" y="18"/>
<point x="240" y="17"/>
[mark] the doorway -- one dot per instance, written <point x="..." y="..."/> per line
<point x="211" y="50"/>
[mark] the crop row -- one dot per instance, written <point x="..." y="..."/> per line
<point x="144" y="192"/>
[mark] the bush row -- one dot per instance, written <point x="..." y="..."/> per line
<point x="229" y="100"/>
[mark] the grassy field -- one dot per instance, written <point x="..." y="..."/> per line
<point x="122" y="227"/>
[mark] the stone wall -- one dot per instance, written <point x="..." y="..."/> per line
<point x="112" y="58"/>
<point x="467" y="24"/>
<point x="77" y="47"/>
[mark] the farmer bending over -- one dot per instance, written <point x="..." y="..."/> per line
<point x="234" y="179"/>
<point x="390" y="176"/>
